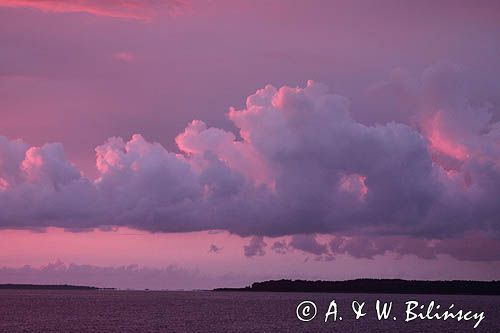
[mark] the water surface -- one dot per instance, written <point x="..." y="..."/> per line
<point x="205" y="311"/>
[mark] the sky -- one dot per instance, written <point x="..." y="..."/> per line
<point x="185" y="144"/>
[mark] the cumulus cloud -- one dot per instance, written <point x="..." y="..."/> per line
<point x="126" y="9"/>
<point x="300" y="164"/>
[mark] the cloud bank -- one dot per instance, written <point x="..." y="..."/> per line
<point x="468" y="247"/>
<point x="299" y="164"/>
<point x="124" y="277"/>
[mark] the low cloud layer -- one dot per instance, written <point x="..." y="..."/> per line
<point x="300" y="164"/>
<point x="468" y="247"/>
<point x="123" y="277"/>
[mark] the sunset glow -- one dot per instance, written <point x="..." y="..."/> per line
<point x="197" y="144"/>
<point x="440" y="143"/>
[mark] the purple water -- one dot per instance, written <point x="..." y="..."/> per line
<point x="156" y="311"/>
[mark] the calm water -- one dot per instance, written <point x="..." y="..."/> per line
<point x="140" y="311"/>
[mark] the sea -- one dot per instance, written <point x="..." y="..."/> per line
<point x="212" y="311"/>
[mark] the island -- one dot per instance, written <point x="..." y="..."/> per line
<point x="375" y="286"/>
<point x="46" y="287"/>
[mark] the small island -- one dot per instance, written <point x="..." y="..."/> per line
<point x="377" y="286"/>
<point x="46" y="287"/>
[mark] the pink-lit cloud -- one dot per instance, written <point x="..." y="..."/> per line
<point x="302" y="165"/>
<point x="299" y="164"/>
<point x="390" y="168"/>
<point x="124" y="9"/>
<point x="124" y="56"/>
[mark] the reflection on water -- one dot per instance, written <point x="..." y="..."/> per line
<point x="141" y="311"/>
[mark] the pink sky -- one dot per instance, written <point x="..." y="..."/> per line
<point x="323" y="139"/>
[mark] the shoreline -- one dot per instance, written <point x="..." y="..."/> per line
<point x="376" y="286"/>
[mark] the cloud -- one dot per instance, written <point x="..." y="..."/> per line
<point x="124" y="56"/>
<point x="471" y="247"/>
<point x="309" y="244"/>
<point x="300" y="164"/>
<point x="214" y="249"/>
<point x="280" y="247"/>
<point x="124" y="277"/>
<point x="255" y="247"/>
<point x="125" y="9"/>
